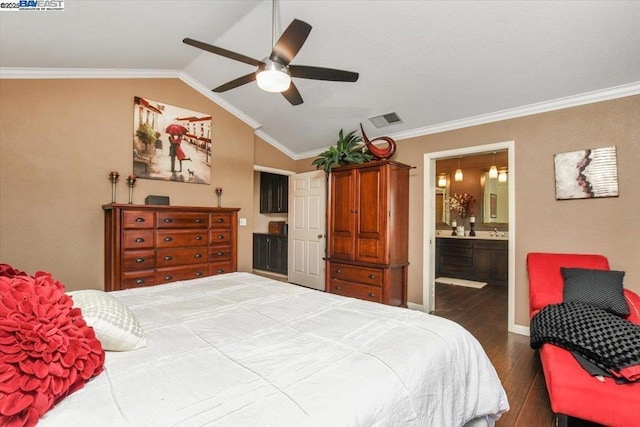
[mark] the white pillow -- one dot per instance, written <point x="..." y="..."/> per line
<point x="114" y="324"/>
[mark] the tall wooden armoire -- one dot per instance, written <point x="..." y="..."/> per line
<point x="368" y="232"/>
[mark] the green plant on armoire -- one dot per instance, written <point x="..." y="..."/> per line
<point x="347" y="151"/>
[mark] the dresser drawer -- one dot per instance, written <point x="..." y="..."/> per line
<point x="138" y="239"/>
<point x="137" y="219"/>
<point x="167" y="219"/>
<point x="138" y="260"/>
<point x="182" y="256"/>
<point x="220" y="268"/>
<point x="166" y="275"/>
<point x="220" y="220"/>
<point x="138" y="279"/>
<point x="217" y="237"/>
<point x="220" y="253"/>
<point x="355" y="290"/>
<point x="350" y="273"/>
<point x="177" y="238"/>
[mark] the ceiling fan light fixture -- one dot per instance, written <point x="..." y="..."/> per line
<point x="273" y="77"/>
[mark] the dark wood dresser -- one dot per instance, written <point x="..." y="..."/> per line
<point x="368" y="232"/>
<point x="147" y="245"/>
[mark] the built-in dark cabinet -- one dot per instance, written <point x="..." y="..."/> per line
<point x="473" y="259"/>
<point x="270" y="252"/>
<point x="274" y="193"/>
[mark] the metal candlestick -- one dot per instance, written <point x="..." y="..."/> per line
<point x="114" y="179"/>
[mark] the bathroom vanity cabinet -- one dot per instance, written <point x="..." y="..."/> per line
<point x="484" y="260"/>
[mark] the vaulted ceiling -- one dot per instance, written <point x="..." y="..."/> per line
<point x="437" y="64"/>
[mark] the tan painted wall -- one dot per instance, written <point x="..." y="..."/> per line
<point x="267" y="155"/>
<point x="609" y="226"/>
<point x="59" y="139"/>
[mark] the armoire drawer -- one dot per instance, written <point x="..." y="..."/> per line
<point x="355" y="290"/>
<point x="351" y="273"/>
<point x="166" y="219"/>
<point x="166" y="275"/>
<point x="181" y="256"/>
<point x="178" y="238"/>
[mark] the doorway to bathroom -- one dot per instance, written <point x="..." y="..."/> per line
<point x="434" y="213"/>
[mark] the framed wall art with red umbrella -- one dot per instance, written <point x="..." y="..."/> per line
<point x="171" y="143"/>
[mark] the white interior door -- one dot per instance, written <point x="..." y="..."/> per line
<point x="307" y="228"/>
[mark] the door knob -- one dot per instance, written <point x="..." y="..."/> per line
<point x="320" y="236"/>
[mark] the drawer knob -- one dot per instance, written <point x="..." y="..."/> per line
<point x="167" y="220"/>
<point x="198" y="237"/>
<point x="168" y="239"/>
<point x="198" y="255"/>
<point x="139" y="219"/>
<point x="198" y="221"/>
<point x="198" y="273"/>
<point x="220" y="220"/>
<point x="372" y="276"/>
<point x="139" y="240"/>
<point x="168" y="277"/>
<point x="338" y="288"/>
<point x="139" y="281"/>
<point x="372" y="295"/>
<point x="220" y="271"/>
<point x="220" y="236"/>
<point x="139" y="260"/>
<point x="338" y="271"/>
<point x="220" y="253"/>
<point x="168" y="258"/>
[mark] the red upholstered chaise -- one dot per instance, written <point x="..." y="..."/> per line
<point x="573" y="392"/>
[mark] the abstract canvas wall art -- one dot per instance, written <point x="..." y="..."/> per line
<point x="171" y="143"/>
<point x="586" y="173"/>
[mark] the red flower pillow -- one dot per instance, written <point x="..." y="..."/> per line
<point x="47" y="351"/>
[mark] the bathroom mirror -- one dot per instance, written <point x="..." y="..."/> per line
<point x="495" y="200"/>
<point x="442" y="199"/>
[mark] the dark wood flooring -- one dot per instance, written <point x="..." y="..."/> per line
<point x="484" y="313"/>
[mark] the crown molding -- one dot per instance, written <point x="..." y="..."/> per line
<point x="527" y="110"/>
<point x="84" y="73"/>
<point x="202" y="89"/>
<point x="512" y="113"/>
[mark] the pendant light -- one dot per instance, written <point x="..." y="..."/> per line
<point x="442" y="181"/>
<point x="502" y="176"/>
<point x="458" y="175"/>
<point x="493" y="171"/>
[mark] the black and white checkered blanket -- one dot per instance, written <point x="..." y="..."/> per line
<point x="604" y="339"/>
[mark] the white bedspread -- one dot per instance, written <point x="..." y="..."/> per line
<point x="243" y="350"/>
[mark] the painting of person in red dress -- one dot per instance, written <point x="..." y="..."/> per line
<point x="176" y="132"/>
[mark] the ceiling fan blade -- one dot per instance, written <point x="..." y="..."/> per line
<point x="290" y="42"/>
<point x="222" y="52"/>
<point x="235" y="83"/>
<point x="319" y="73"/>
<point x="292" y="95"/>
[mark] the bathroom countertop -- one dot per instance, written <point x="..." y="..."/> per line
<point x="480" y="235"/>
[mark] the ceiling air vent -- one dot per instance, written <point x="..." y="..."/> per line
<point x="385" y="120"/>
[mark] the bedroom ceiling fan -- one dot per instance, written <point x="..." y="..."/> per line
<point x="274" y="73"/>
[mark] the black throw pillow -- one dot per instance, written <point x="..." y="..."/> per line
<point x="600" y="288"/>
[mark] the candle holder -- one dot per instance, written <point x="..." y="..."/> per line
<point x="219" y="194"/>
<point x="472" y="222"/>
<point x="454" y="225"/>
<point x="113" y="176"/>
<point x="131" y="180"/>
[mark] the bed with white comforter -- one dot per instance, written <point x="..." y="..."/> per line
<point x="243" y="350"/>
